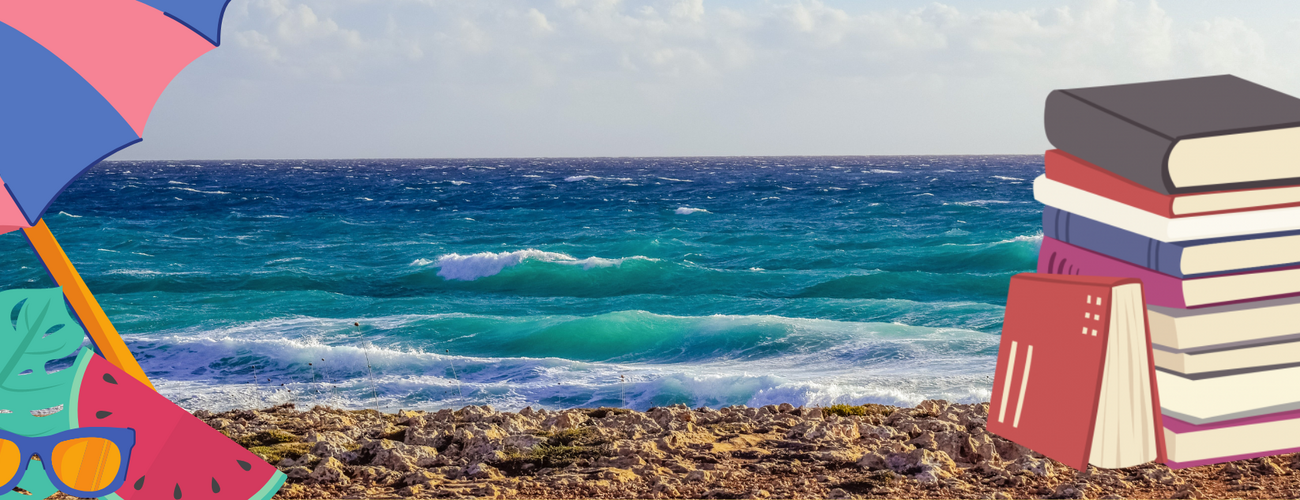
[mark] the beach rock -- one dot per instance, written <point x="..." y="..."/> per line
<point x="1265" y="466"/>
<point x="564" y="421"/>
<point x="982" y="447"/>
<point x="396" y="455"/>
<point x="1164" y="476"/>
<point x="488" y="491"/>
<point x="924" y="465"/>
<point x="298" y="472"/>
<point x="307" y="460"/>
<point x="936" y="450"/>
<point x="1187" y="491"/>
<point x="476" y="413"/>
<point x="1073" y="490"/>
<point x="327" y="449"/>
<point x="372" y="475"/>
<point x="404" y="416"/>
<point x="329" y="470"/>
<point x="1040" y="467"/>
<point x="413" y="490"/>
<point x="815" y="430"/>
<point x="481" y="444"/>
<point x="1010" y="451"/>
<point x="334" y="437"/>
<point x="428" y="436"/>
<point x="481" y="471"/>
<point x="623" y="462"/>
<point x="420" y="477"/>
<point x="665" y="489"/>
<point x="618" y="475"/>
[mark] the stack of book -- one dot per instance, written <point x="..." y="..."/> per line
<point x="1193" y="187"/>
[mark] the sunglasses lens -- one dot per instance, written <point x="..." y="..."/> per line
<point x="10" y="460"/>
<point x="87" y="464"/>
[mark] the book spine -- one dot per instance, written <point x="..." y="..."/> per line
<point x="1106" y="239"/>
<point x="1067" y="169"/>
<point x="1058" y="257"/>
<point x="1108" y="140"/>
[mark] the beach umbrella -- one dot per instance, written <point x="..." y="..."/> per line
<point x="78" y="79"/>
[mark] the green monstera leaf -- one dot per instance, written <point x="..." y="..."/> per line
<point x="35" y="328"/>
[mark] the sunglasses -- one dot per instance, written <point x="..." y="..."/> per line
<point x="84" y="462"/>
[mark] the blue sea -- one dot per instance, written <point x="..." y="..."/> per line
<point x="555" y="283"/>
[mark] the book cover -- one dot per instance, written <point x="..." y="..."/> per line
<point x="1058" y="257"/>
<point x="1181" y="259"/>
<point x="1075" y="172"/>
<point x="1169" y="136"/>
<point x="1048" y="384"/>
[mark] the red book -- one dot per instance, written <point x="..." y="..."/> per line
<point x="1075" y="378"/>
<point x="1071" y="170"/>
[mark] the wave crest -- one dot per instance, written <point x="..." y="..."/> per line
<point x="470" y="267"/>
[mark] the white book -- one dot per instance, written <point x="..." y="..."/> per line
<point x="1217" y="399"/>
<point x="1114" y="213"/>
<point x="1219" y="362"/>
<point x="1217" y="327"/>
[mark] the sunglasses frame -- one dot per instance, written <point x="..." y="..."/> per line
<point x="123" y="438"/>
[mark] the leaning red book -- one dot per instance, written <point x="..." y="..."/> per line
<point x="1075" y="377"/>
<point x="1073" y="171"/>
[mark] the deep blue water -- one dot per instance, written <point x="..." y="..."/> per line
<point x="553" y="282"/>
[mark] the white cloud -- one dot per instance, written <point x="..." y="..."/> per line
<point x="540" y="23"/>
<point x="691" y="10"/>
<point x="1225" y="45"/>
<point x="673" y="77"/>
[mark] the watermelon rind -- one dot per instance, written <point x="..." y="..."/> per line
<point x="80" y="364"/>
<point x="272" y="487"/>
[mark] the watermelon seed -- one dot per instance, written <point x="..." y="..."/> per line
<point x="177" y="492"/>
<point x="245" y="465"/>
<point x="102" y="414"/>
<point x="108" y="377"/>
<point x="139" y="483"/>
<point x="216" y="488"/>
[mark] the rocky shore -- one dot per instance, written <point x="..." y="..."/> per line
<point x="935" y="450"/>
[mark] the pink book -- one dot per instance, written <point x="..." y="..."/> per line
<point x="1193" y="445"/>
<point x="1058" y="257"/>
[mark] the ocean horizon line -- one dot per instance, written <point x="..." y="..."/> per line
<point x="597" y="157"/>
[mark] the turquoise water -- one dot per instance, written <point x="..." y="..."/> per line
<point x="553" y="282"/>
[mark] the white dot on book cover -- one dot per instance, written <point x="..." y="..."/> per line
<point x="1085" y="330"/>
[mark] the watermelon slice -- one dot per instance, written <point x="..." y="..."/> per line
<point x="176" y="455"/>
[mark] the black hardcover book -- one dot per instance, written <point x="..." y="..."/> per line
<point x="1182" y="136"/>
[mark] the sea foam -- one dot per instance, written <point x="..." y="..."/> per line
<point x="470" y="267"/>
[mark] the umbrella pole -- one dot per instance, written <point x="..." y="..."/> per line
<point x="92" y="316"/>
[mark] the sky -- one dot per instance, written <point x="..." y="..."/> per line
<point x="584" y="78"/>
